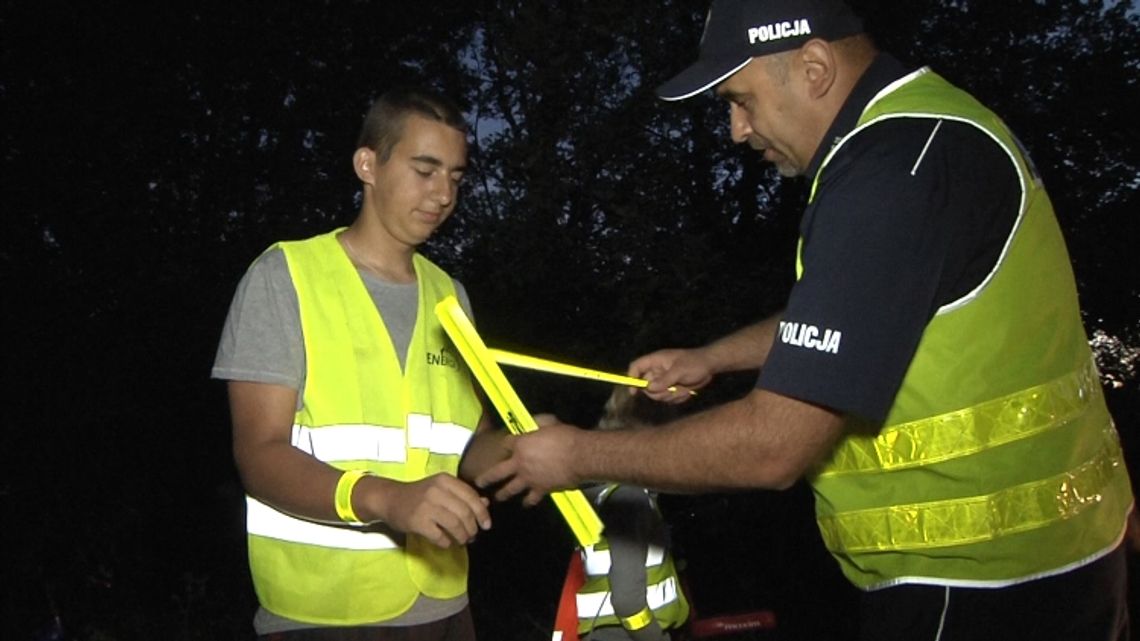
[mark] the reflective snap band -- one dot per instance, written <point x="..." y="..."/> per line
<point x="637" y="621"/>
<point x="970" y="430"/>
<point x="977" y="518"/>
<point x="342" y="498"/>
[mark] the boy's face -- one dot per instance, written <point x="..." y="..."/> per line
<point x="416" y="189"/>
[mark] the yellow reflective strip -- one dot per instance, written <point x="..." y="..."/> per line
<point x="637" y="621"/>
<point x="970" y="430"/>
<point x="977" y="518"/>
<point x="504" y="357"/>
<point x="575" y="509"/>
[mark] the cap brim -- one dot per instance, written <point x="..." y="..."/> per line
<point x="702" y="75"/>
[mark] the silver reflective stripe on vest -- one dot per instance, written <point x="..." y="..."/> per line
<point x="263" y="520"/>
<point x="356" y="442"/>
<point x="597" y="604"/>
<point x="351" y="443"/>
<point x="437" y="438"/>
<point x="597" y="562"/>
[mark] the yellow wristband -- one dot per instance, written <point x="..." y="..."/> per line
<point x="637" y="621"/>
<point x="343" y="497"/>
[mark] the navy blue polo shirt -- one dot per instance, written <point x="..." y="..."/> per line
<point x="906" y="219"/>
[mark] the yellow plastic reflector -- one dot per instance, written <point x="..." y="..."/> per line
<point x="504" y="357"/>
<point x="583" y="521"/>
<point x="542" y="365"/>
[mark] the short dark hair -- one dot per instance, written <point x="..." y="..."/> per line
<point x="384" y="124"/>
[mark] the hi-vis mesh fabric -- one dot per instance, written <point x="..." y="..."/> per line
<point x="998" y="461"/>
<point x="362" y="410"/>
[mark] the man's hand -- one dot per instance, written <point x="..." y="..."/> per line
<point x="681" y="369"/>
<point x="540" y="462"/>
<point x="440" y="508"/>
<point x="485" y="449"/>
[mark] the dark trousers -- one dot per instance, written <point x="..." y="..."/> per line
<point x="1086" y="604"/>
<point x="458" y="627"/>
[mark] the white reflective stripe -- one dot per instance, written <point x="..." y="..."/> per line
<point x="419" y="431"/>
<point x="655" y="556"/>
<point x="597" y="604"/>
<point x="594" y="604"/>
<point x="353" y="442"/>
<point x="926" y="147"/>
<point x="661" y="594"/>
<point x="263" y="520"/>
<point x="597" y="562"/>
<point x="942" y="619"/>
<point x="437" y="438"/>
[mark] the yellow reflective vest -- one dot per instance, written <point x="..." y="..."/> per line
<point x="362" y="410"/>
<point x="998" y="462"/>
<point x="664" y="597"/>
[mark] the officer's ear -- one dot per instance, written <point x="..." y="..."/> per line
<point x="819" y="67"/>
<point x="364" y="163"/>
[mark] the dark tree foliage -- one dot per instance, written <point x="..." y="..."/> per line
<point x="149" y="153"/>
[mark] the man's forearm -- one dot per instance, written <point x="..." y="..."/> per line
<point x="761" y="441"/>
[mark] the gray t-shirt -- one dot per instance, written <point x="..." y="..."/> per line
<point x="261" y="342"/>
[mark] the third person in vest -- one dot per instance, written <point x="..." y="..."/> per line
<point x="929" y="375"/>
<point x="631" y="590"/>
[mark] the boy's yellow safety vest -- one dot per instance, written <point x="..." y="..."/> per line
<point x="998" y="462"/>
<point x="362" y="410"/>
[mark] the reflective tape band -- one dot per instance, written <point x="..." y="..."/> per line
<point x="597" y="604"/>
<point x="263" y="520"/>
<point x="637" y="621"/>
<point x="355" y="442"/>
<point x="970" y="430"/>
<point x="342" y="497"/>
<point x="977" y="518"/>
<point x="597" y="562"/>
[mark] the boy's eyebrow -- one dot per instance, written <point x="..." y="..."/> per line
<point x="436" y="162"/>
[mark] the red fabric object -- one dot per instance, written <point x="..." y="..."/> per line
<point x="732" y="624"/>
<point x="566" y="621"/>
